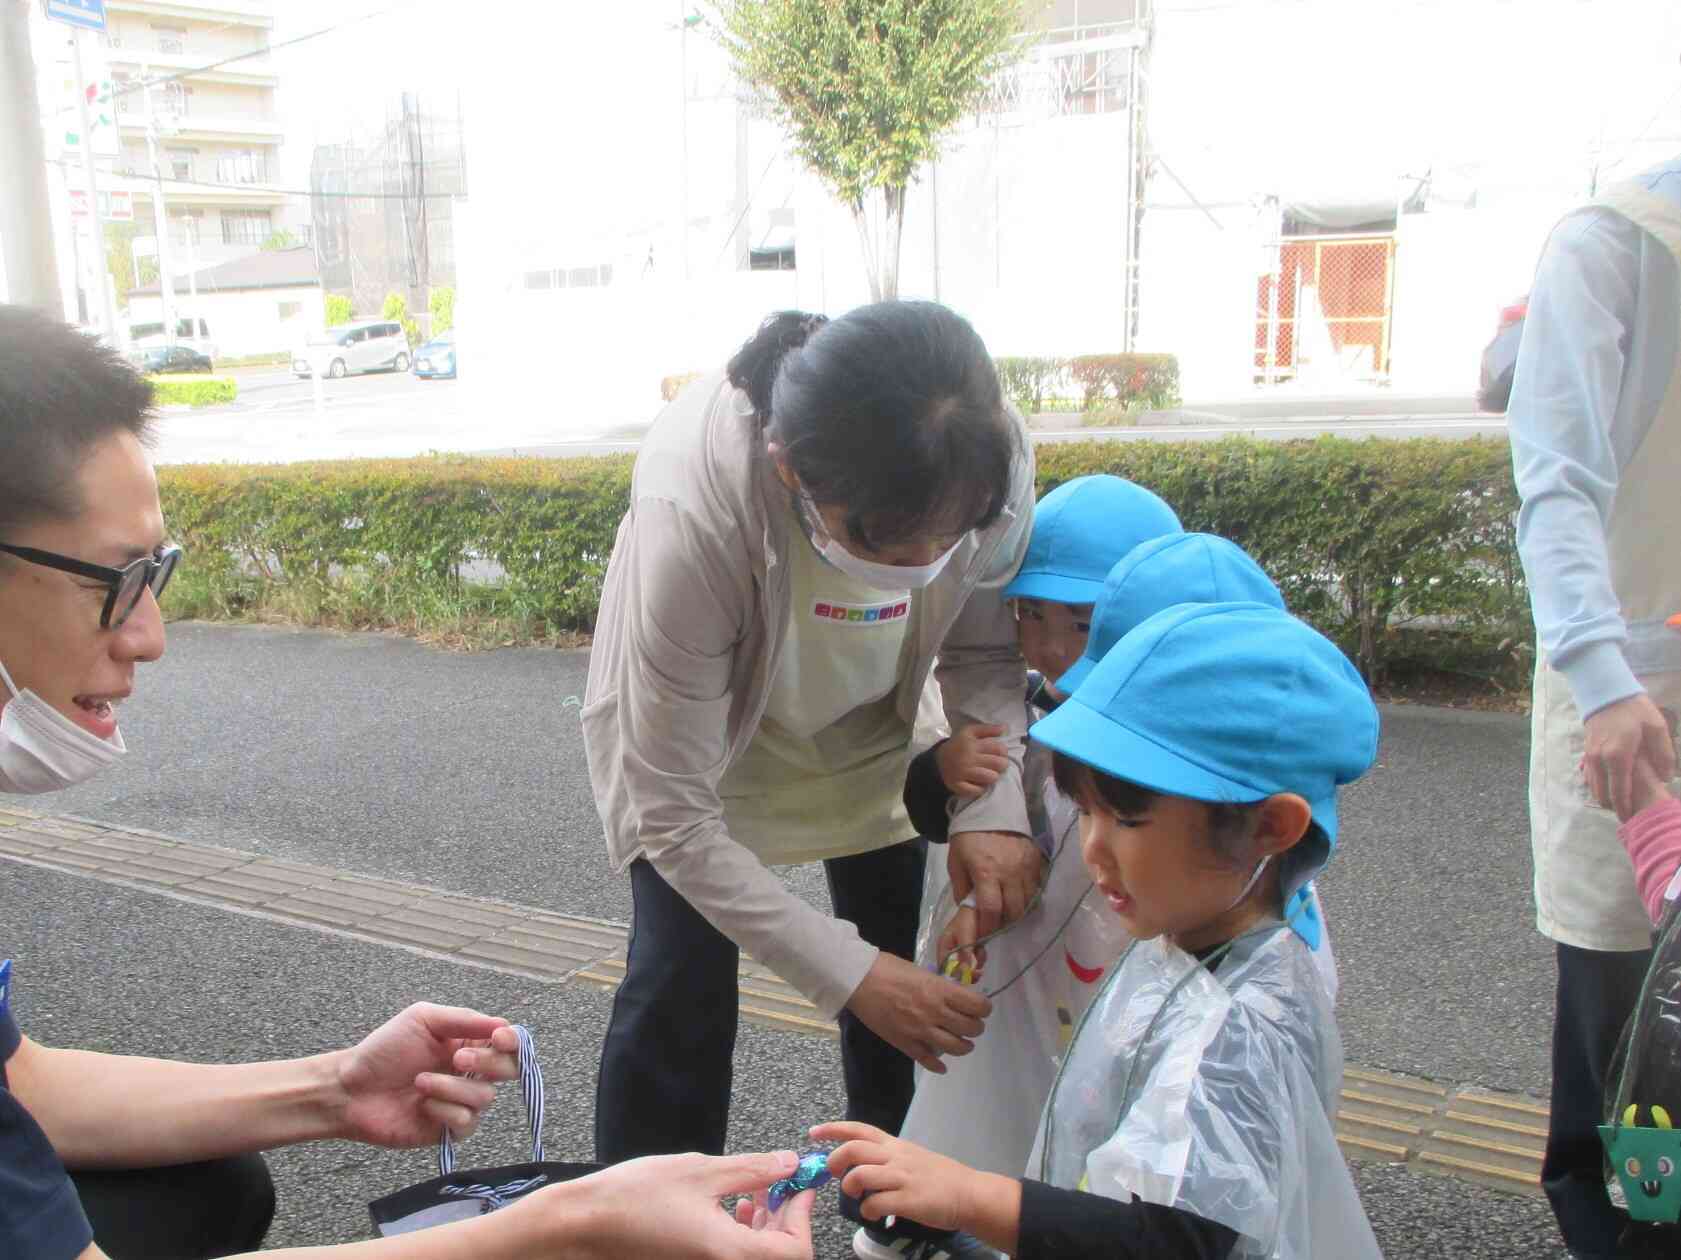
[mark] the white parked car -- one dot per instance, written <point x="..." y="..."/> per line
<point x="149" y="336"/>
<point x="374" y="346"/>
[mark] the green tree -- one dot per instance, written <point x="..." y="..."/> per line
<point x="397" y="307"/>
<point x="866" y="90"/>
<point x="441" y="302"/>
<point x="279" y="239"/>
<point x="338" y="310"/>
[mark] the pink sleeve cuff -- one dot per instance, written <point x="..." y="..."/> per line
<point x="1653" y="840"/>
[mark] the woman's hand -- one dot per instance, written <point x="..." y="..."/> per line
<point x="1002" y="870"/>
<point x="972" y="759"/>
<point x="668" y="1206"/>
<point x="918" y="1013"/>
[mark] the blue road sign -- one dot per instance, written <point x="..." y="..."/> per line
<point x="87" y="13"/>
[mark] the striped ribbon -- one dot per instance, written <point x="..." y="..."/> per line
<point x="531" y="1087"/>
<point x="493" y="1198"/>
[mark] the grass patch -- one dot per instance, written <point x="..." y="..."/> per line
<point x="276" y="359"/>
<point x="194" y="391"/>
<point x="464" y="616"/>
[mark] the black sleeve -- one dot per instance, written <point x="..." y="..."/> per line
<point x="1062" y="1224"/>
<point x="926" y="798"/>
<point x="40" y="1215"/>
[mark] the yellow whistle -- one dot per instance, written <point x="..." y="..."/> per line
<point x="959" y="971"/>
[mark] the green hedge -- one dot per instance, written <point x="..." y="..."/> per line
<point x="549" y="524"/>
<point x="1402" y="551"/>
<point x="195" y="391"/>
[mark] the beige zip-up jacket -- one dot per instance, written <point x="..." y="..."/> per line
<point x="694" y="612"/>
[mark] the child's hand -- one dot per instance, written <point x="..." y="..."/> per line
<point x="957" y="945"/>
<point x="893" y="1177"/>
<point x="1648" y="790"/>
<point x="972" y="759"/>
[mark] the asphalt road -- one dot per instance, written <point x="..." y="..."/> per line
<point x="380" y="755"/>
<point x="278" y="418"/>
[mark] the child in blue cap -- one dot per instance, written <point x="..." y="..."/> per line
<point x="1199" y="569"/>
<point x="1192" y="1115"/>
<point x="1044" y="968"/>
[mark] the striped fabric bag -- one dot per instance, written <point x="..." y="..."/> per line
<point x="455" y="1195"/>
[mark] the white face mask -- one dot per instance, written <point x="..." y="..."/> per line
<point x="872" y="573"/>
<point x="41" y="750"/>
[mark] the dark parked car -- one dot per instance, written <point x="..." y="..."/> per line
<point x="170" y="359"/>
<point x="1500" y="357"/>
<point x="436" y="358"/>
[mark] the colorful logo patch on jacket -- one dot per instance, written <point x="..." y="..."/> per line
<point x="861" y="614"/>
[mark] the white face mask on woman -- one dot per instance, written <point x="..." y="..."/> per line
<point x="874" y="574"/>
<point x="41" y="750"/>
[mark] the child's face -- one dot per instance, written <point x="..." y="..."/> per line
<point x="1051" y="635"/>
<point x="1158" y="874"/>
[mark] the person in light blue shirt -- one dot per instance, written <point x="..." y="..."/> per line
<point x="1595" y="423"/>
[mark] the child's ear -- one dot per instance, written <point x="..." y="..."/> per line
<point x="784" y="472"/>
<point x="1284" y="820"/>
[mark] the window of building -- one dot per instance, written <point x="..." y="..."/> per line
<point x="771" y="259"/>
<point x="171" y="39"/>
<point x="246" y="227"/>
<point x="240" y="166"/>
<point x="539" y="279"/>
<point x="173" y="99"/>
<point x="179" y="162"/>
<point x="290" y="310"/>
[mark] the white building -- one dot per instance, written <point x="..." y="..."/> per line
<point x="193" y="102"/>
<point x="262" y="303"/>
<point x="1332" y="194"/>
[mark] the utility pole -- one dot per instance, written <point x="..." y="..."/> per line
<point x="160" y="212"/>
<point x="27" y="258"/>
<point x="108" y="316"/>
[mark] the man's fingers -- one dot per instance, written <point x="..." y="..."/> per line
<point x="989" y="730"/>
<point x="456" y="1089"/>
<point x="989" y="900"/>
<point x="487" y="1063"/>
<point x="458" y="1022"/>
<point x="460" y="1121"/>
<point x="742" y="1174"/>
<point x="794" y="1218"/>
<point x="1660" y="752"/>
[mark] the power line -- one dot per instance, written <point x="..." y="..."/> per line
<point x="171" y="182"/>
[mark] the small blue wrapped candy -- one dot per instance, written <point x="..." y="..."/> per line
<point x="812" y="1174"/>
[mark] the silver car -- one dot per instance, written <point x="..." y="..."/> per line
<point x="375" y="346"/>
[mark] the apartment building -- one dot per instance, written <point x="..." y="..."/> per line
<point x="212" y="134"/>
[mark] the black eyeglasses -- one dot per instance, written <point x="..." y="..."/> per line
<point x="124" y="586"/>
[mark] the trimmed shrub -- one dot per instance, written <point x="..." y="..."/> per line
<point x="194" y="391"/>
<point x="1147" y="381"/>
<point x="1027" y="380"/>
<point x="397" y="307"/>
<point x="441" y="302"/>
<point x="338" y="310"/>
<point x="1404" y="552"/>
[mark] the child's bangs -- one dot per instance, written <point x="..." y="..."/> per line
<point x="1091" y="788"/>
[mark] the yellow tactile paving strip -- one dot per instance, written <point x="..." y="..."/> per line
<point x="1474" y="1134"/>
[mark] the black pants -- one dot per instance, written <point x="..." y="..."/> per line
<point x="1597" y="991"/>
<point x="666" y="1067"/>
<point x="186" y="1212"/>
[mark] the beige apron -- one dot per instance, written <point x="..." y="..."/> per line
<point x="1584" y="883"/>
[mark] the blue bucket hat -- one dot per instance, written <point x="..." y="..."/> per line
<point x="1080" y="530"/>
<point x="1229" y="703"/>
<point x="1162" y="572"/>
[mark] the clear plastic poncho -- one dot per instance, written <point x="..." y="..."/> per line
<point x="1213" y="1092"/>
<point x="1041" y="973"/>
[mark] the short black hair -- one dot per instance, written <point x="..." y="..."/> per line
<point x="893" y="411"/>
<point x="1230" y="824"/>
<point x="61" y="394"/>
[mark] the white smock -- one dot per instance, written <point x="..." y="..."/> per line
<point x="1212" y="1092"/>
<point x="1041" y="971"/>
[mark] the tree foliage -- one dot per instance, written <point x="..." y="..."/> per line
<point x="339" y="310"/>
<point x="866" y="89"/>
<point x="441" y="302"/>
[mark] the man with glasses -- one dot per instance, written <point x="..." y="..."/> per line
<point x="163" y="1156"/>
